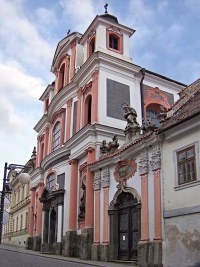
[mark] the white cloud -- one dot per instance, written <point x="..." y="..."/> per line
<point x="46" y="16"/>
<point x="19" y="85"/>
<point x="10" y="122"/>
<point x="21" y="39"/>
<point x="80" y="12"/>
<point x="192" y="6"/>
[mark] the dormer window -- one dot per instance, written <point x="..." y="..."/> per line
<point x="91" y="46"/>
<point x="114" y="41"/>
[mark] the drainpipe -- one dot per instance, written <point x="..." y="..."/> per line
<point x="142" y="71"/>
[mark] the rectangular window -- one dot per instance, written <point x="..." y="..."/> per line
<point x="50" y="181"/>
<point x="186" y="163"/>
<point x="74" y="118"/>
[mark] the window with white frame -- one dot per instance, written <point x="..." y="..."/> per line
<point x="50" y="181"/>
<point x="186" y="165"/>
<point x="56" y="136"/>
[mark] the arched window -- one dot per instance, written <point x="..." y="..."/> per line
<point x="91" y="46"/>
<point x="50" y="181"/>
<point x="61" y="77"/>
<point x="56" y="136"/>
<point x="114" y="41"/>
<point x="152" y="111"/>
<point x="88" y="110"/>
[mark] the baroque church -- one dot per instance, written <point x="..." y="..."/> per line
<point x="96" y="190"/>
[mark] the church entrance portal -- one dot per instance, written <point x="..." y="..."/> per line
<point x="125" y="226"/>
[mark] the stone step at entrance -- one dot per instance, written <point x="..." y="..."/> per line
<point x="127" y="263"/>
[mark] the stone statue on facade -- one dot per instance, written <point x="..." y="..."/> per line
<point x="109" y="148"/>
<point x="162" y="115"/>
<point x="147" y="126"/>
<point x="104" y="148"/>
<point x="130" y="115"/>
<point x="113" y="145"/>
<point x="132" y="130"/>
<point x="83" y="200"/>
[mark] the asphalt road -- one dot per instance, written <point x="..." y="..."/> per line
<point x="18" y="259"/>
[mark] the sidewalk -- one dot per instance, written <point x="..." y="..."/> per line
<point x="68" y="259"/>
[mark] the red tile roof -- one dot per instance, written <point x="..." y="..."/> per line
<point x="121" y="150"/>
<point x="185" y="108"/>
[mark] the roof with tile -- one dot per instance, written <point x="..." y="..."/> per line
<point x="185" y="108"/>
<point x="123" y="148"/>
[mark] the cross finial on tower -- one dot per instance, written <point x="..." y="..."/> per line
<point x="68" y="32"/>
<point x="106" y="7"/>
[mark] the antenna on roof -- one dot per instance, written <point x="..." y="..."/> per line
<point x="68" y="32"/>
<point x="106" y="7"/>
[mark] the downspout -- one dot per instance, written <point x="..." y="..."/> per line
<point x="142" y="71"/>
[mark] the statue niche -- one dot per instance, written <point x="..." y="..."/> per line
<point x="82" y="205"/>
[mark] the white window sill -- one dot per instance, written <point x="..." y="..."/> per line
<point x="187" y="185"/>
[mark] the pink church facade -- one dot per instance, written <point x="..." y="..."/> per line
<point x="90" y="199"/>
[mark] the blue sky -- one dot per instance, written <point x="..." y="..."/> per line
<point x="166" y="41"/>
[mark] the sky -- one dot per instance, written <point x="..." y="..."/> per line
<point x="166" y="41"/>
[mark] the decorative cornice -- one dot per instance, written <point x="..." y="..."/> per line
<point x="106" y="178"/>
<point x="156" y="158"/>
<point x="97" y="181"/>
<point x="143" y="163"/>
<point x="57" y="114"/>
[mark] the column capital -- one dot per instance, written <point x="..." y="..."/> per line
<point x="72" y="161"/>
<point x="40" y="184"/>
<point x="90" y="149"/>
<point x="143" y="163"/>
<point x="79" y="92"/>
<point x="69" y="103"/>
<point x="95" y="74"/>
<point x="32" y="189"/>
<point x="73" y="44"/>
<point x="97" y="181"/>
<point x="156" y="159"/>
<point x="106" y="178"/>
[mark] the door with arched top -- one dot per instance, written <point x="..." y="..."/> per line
<point x="128" y="226"/>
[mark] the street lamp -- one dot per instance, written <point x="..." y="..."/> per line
<point x="24" y="178"/>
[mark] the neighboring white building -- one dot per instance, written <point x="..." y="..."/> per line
<point x="181" y="179"/>
<point x="15" y="231"/>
